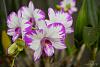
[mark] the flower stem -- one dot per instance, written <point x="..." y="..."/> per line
<point x="94" y="53"/>
<point x="79" y="55"/>
<point x="14" y="59"/>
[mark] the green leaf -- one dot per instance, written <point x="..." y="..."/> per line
<point x="81" y="21"/>
<point x="92" y="12"/>
<point x="5" y="40"/>
<point x="90" y="35"/>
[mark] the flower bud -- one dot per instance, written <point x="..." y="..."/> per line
<point x="12" y="49"/>
<point x="20" y="43"/>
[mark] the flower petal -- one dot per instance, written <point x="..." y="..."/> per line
<point x="12" y="20"/>
<point x="69" y="30"/>
<point x="35" y="44"/>
<point x="39" y="14"/>
<point x="25" y="27"/>
<point x="11" y="32"/>
<point x="37" y="54"/>
<point x="41" y="24"/>
<point x="15" y="36"/>
<point x="31" y="6"/>
<point x="27" y="40"/>
<point x="49" y="50"/>
<point x="59" y="44"/>
<point x="51" y="14"/>
<point x="26" y="13"/>
<point x="56" y="30"/>
<point x="69" y="21"/>
<point x="19" y="13"/>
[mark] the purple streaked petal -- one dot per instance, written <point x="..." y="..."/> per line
<point x="37" y="54"/>
<point x="69" y="30"/>
<point x="12" y="20"/>
<point x="59" y="45"/>
<point x="51" y="13"/>
<point x="56" y="30"/>
<point x="27" y="40"/>
<point x="69" y="22"/>
<point x="15" y="36"/>
<point x="72" y="10"/>
<point x="28" y="30"/>
<point x="69" y="17"/>
<point x="49" y="50"/>
<point x="39" y="14"/>
<point x="11" y="32"/>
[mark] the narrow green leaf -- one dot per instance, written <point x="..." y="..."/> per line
<point x="81" y="21"/>
<point x="92" y="12"/>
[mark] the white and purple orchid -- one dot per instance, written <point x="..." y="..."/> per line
<point x="60" y="17"/>
<point x="68" y="5"/>
<point x="16" y="25"/>
<point x="41" y="35"/>
<point x="32" y="15"/>
<point x="45" y="40"/>
<point x="13" y="23"/>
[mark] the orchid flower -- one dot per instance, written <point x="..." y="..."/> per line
<point x="68" y="5"/>
<point x="32" y="15"/>
<point x="16" y="25"/>
<point x="43" y="41"/>
<point x="60" y="17"/>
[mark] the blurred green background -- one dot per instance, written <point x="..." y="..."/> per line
<point x="82" y="46"/>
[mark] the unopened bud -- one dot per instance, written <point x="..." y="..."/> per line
<point x="12" y="49"/>
<point x="21" y="44"/>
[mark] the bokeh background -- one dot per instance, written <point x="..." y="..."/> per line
<point x="82" y="46"/>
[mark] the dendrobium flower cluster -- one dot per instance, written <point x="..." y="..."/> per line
<point x="68" y="5"/>
<point x="42" y="35"/>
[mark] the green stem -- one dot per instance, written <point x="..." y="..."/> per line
<point x="94" y="53"/>
<point x="13" y="62"/>
<point x="82" y="49"/>
<point x="14" y="59"/>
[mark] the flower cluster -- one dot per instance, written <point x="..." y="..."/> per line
<point x="40" y="34"/>
<point x="68" y="5"/>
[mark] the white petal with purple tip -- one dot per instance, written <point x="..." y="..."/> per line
<point x="51" y="14"/>
<point x="69" y="30"/>
<point x="56" y="30"/>
<point x="59" y="45"/>
<point x="12" y="20"/>
<point x="39" y="14"/>
<point x="15" y="36"/>
<point x="37" y="54"/>
<point x="49" y="50"/>
<point x="11" y="32"/>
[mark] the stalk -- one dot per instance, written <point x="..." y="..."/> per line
<point x="80" y="55"/>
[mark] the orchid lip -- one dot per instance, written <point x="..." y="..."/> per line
<point x="45" y="41"/>
<point x="18" y="30"/>
<point x="31" y="20"/>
